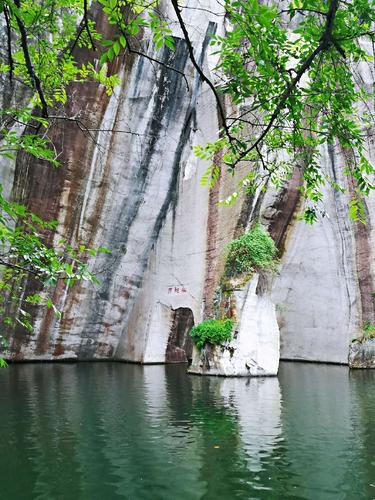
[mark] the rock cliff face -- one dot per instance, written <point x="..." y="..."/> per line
<point x="254" y="349"/>
<point x="132" y="184"/>
<point x="362" y="354"/>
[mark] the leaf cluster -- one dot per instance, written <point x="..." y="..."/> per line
<point x="368" y="331"/>
<point x="212" y="331"/>
<point x="130" y="17"/>
<point x="253" y="250"/>
<point x="292" y="74"/>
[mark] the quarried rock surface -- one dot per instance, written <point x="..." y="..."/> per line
<point x="133" y="185"/>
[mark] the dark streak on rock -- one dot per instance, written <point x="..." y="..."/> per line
<point x="210" y="281"/>
<point x="363" y="260"/>
<point x="243" y="219"/>
<point x="171" y="198"/>
<point x="363" y="252"/>
<point x="170" y="91"/>
<point x="284" y="208"/>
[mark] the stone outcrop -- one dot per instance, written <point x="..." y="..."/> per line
<point x="323" y="292"/>
<point x="254" y="349"/>
<point x="133" y="186"/>
<point x="362" y="354"/>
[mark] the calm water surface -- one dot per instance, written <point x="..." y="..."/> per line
<point x="116" y="431"/>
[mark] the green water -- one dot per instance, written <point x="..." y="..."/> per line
<point x="115" y="431"/>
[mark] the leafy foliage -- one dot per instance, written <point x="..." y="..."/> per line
<point x="142" y="16"/>
<point x="24" y="252"/>
<point x="291" y="72"/>
<point x="40" y="55"/>
<point x="253" y="250"/>
<point x="368" y="331"/>
<point x="212" y="331"/>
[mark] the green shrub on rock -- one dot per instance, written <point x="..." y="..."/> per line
<point x="368" y="331"/>
<point x="212" y="331"/>
<point x="252" y="251"/>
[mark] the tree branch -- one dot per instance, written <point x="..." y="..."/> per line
<point x="18" y="268"/>
<point x="73" y="45"/>
<point x="9" y="42"/>
<point x="29" y="66"/>
<point x="301" y="10"/>
<point x="86" y="24"/>
<point x="325" y="43"/>
<point x="204" y="78"/>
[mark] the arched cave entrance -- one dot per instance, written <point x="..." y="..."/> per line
<point x="180" y="344"/>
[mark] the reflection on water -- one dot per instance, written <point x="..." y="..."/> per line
<point x="111" y="431"/>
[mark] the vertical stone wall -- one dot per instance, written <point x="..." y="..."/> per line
<point x="133" y="185"/>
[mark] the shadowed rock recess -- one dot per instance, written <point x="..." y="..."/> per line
<point x="135" y="189"/>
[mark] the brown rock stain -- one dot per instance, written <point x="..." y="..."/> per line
<point x="284" y="209"/>
<point x="363" y="252"/>
<point x="41" y="187"/>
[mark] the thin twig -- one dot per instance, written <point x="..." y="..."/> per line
<point x="86" y="24"/>
<point x="9" y="42"/>
<point x="131" y="50"/>
<point x="204" y="78"/>
<point x="201" y="9"/>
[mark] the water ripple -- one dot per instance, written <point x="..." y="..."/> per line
<point x="115" y="431"/>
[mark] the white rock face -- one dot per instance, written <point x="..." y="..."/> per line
<point x="323" y="292"/>
<point x="136" y="190"/>
<point x="254" y="350"/>
<point x="316" y="289"/>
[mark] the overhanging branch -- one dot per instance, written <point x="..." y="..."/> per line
<point x="201" y="73"/>
<point x="9" y="42"/>
<point x="326" y="41"/>
<point x="29" y="65"/>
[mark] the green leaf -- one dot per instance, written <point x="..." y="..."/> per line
<point x="123" y="41"/>
<point x="103" y="250"/>
<point x="111" y="54"/>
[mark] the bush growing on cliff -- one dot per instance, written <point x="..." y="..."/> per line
<point x="212" y="331"/>
<point x="368" y="331"/>
<point x="251" y="251"/>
